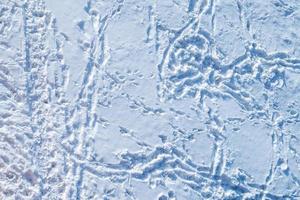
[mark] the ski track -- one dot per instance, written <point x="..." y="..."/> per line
<point x="134" y="103"/>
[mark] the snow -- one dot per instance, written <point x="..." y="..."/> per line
<point x="143" y="99"/>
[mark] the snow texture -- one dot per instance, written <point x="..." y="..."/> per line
<point x="149" y="99"/>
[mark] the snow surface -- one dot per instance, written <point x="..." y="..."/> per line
<point x="149" y="99"/>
